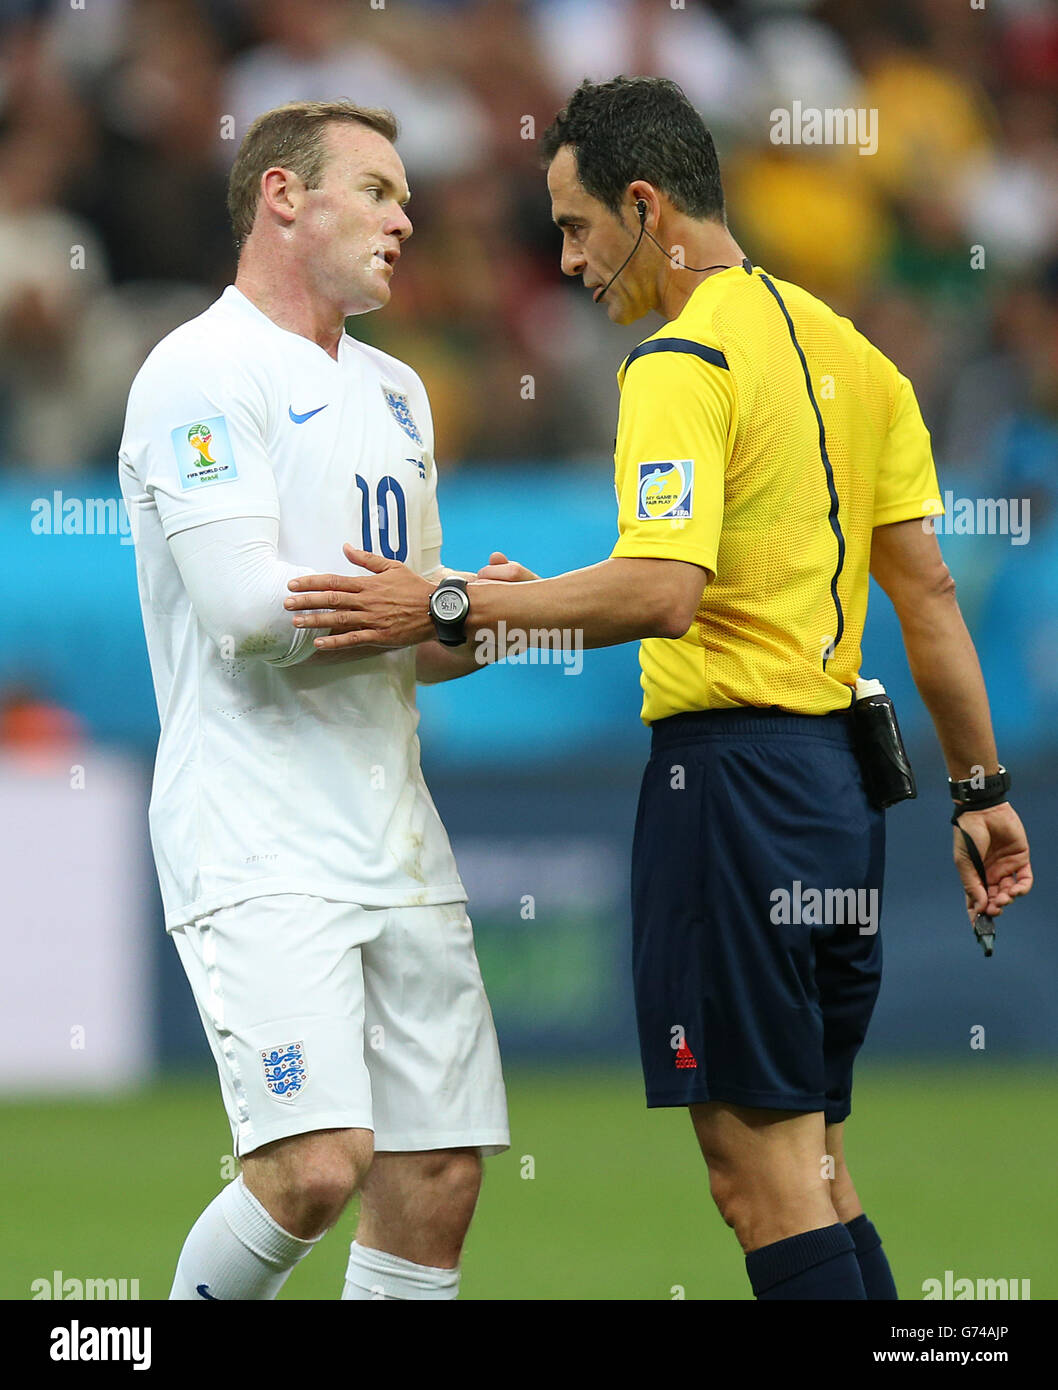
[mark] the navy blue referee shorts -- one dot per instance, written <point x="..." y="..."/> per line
<point x="756" y="899"/>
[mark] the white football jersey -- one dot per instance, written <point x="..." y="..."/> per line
<point x="299" y="779"/>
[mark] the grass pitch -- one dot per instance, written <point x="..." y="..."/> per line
<point x="597" y="1199"/>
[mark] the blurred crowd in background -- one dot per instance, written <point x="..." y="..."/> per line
<point x="119" y="121"/>
<point x="113" y="123"/>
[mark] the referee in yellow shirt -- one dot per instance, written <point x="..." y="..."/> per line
<point x="768" y="460"/>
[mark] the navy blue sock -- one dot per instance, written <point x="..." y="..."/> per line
<point x="816" y="1264"/>
<point x="874" y="1267"/>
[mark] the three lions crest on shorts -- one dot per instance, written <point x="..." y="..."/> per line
<point x="284" y="1068"/>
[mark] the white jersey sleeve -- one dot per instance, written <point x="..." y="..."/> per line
<point x="237" y="583"/>
<point x="431" y="522"/>
<point x="431" y="531"/>
<point x="204" y="424"/>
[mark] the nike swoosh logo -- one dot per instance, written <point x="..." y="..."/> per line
<point x="203" y="1289"/>
<point x="300" y="419"/>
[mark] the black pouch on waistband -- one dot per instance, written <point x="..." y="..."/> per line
<point x="883" y="759"/>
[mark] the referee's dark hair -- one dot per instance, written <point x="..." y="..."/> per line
<point x="639" y="128"/>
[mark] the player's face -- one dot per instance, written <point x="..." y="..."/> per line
<point x="350" y="229"/>
<point x="595" y="242"/>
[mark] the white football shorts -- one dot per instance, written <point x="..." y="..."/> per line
<point x="328" y="1015"/>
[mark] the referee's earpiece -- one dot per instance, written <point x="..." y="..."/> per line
<point x="642" y="209"/>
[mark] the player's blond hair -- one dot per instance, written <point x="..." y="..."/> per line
<point x="291" y="137"/>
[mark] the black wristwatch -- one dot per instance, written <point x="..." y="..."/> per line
<point x="978" y="794"/>
<point x="449" y="606"/>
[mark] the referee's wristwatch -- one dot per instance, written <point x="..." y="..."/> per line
<point x="978" y="794"/>
<point x="449" y="606"/>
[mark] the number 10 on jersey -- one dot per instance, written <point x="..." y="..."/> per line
<point x="391" y="516"/>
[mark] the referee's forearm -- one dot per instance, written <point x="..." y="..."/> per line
<point x="947" y="674"/>
<point x="615" y="601"/>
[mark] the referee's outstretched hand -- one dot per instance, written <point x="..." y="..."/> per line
<point x="1004" y="849"/>
<point x="509" y="571"/>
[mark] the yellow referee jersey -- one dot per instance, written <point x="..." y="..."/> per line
<point x="762" y="437"/>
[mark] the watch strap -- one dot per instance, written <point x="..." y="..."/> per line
<point x="973" y="794"/>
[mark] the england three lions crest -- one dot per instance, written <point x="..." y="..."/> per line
<point x="284" y="1069"/>
<point x="398" y="404"/>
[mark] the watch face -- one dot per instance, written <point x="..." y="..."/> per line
<point x="450" y="605"/>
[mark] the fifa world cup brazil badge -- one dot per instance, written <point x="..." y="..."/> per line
<point x="284" y="1069"/>
<point x="203" y="453"/>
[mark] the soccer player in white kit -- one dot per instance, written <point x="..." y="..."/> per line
<point x="307" y="880"/>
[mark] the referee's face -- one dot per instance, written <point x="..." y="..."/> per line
<point x="350" y="229"/>
<point x="595" y="243"/>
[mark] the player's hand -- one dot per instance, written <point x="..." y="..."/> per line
<point x="387" y="607"/>
<point x="509" y="571"/>
<point x="1004" y="849"/>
